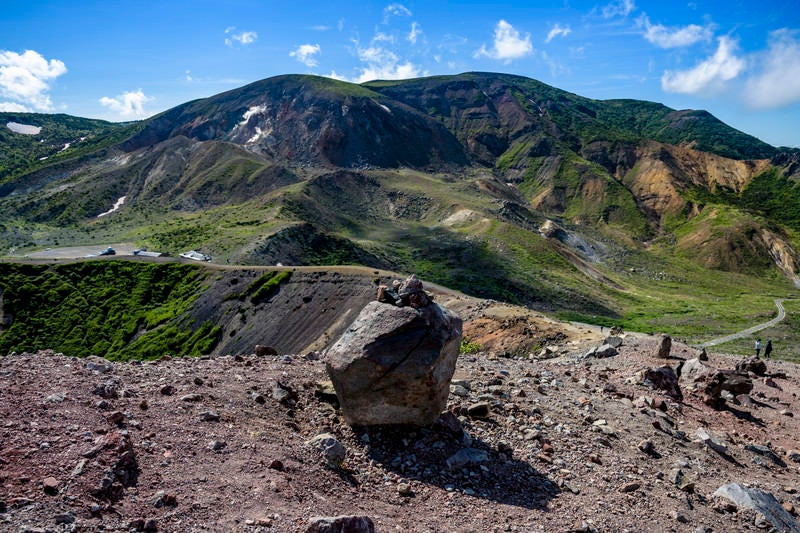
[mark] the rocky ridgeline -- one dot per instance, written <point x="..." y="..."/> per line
<point x="629" y="441"/>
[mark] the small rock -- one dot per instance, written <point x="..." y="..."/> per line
<point x="710" y="441"/>
<point x="458" y="390"/>
<point x="258" y="398"/>
<point x="333" y="452"/>
<point x="478" y="410"/>
<point x="786" y="412"/>
<point x="194" y="397"/>
<point x="103" y="405"/>
<point x="198" y="381"/>
<point x="209" y="416"/>
<point x="108" y="389"/>
<point x="584" y="526"/>
<point x="163" y="499"/>
<point x="64" y="518"/>
<point x="261" y="350"/>
<point x="466" y="456"/>
<point x="276" y="464"/>
<point x="340" y="524"/>
<point x="116" y="418"/>
<point x="50" y="486"/>
<point x="404" y="489"/>
<point x="217" y="445"/>
<point x="58" y="397"/>
<point x="646" y="446"/>
<point x="680" y="480"/>
<point x="167" y="390"/>
<point x="631" y="486"/>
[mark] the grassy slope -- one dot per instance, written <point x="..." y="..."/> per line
<point x="114" y="309"/>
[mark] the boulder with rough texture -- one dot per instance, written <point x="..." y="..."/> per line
<point x="664" y="379"/>
<point x="712" y="384"/>
<point x="664" y="347"/>
<point x="393" y="365"/>
<point x="600" y="352"/>
<point x="690" y="372"/>
<point x="752" y="364"/>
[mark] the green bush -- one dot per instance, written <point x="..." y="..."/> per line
<point x="468" y="347"/>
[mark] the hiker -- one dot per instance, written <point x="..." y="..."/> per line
<point x="758" y="347"/>
<point x="768" y="349"/>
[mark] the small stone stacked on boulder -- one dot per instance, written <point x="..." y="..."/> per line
<point x="402" y="293"/>
<point x="393" y="365"/>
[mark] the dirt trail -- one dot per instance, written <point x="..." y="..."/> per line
<point x="749" y="331"/>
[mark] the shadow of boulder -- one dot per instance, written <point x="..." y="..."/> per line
<point x="454" y="461"/>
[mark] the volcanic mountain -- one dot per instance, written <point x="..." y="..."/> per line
<point x="497" y="185"/>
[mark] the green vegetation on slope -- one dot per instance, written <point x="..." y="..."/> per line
<point x="266" y="285"/>
<point x="61" y="137"/>
<point x="115" y="309"/>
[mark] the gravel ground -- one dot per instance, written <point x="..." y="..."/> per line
<point x="557" y="444"/>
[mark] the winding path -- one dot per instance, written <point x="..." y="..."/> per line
<point x="749" y="331"/>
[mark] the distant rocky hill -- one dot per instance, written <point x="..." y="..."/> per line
<point x="452" y="177"/>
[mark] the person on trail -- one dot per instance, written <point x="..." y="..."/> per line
<point x="758" y="347"/>
<point x="768" y="349"/>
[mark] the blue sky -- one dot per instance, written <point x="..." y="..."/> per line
<point x="126" y="60"/>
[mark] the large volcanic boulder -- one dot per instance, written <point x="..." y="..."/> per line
<point x="393" y="365"/>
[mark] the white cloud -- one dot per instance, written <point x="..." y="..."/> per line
<point x="13" y="107"/>
<point x="127" y="105"/>
<point x="674" y="37"/>
<point x="305" y="54"/>
<point x="618" y="8"/>
<point x="382" y="64"/>
<point x="708" y="75"/>
<point x="25" y="79"/>
<point x="320" y="27"/>
<point x="777" y="84"/>
<point x="333" y="74"/>
<point x="397" y="10"/>
<point x="508" y="44"/>
<point x="244" y="37"/>
<point x="382" y="37"/>
<point x="556" y="31"/>
<point x="415" y="32"/>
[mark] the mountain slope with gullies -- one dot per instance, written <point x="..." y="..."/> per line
<point x="500" y="186"/>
